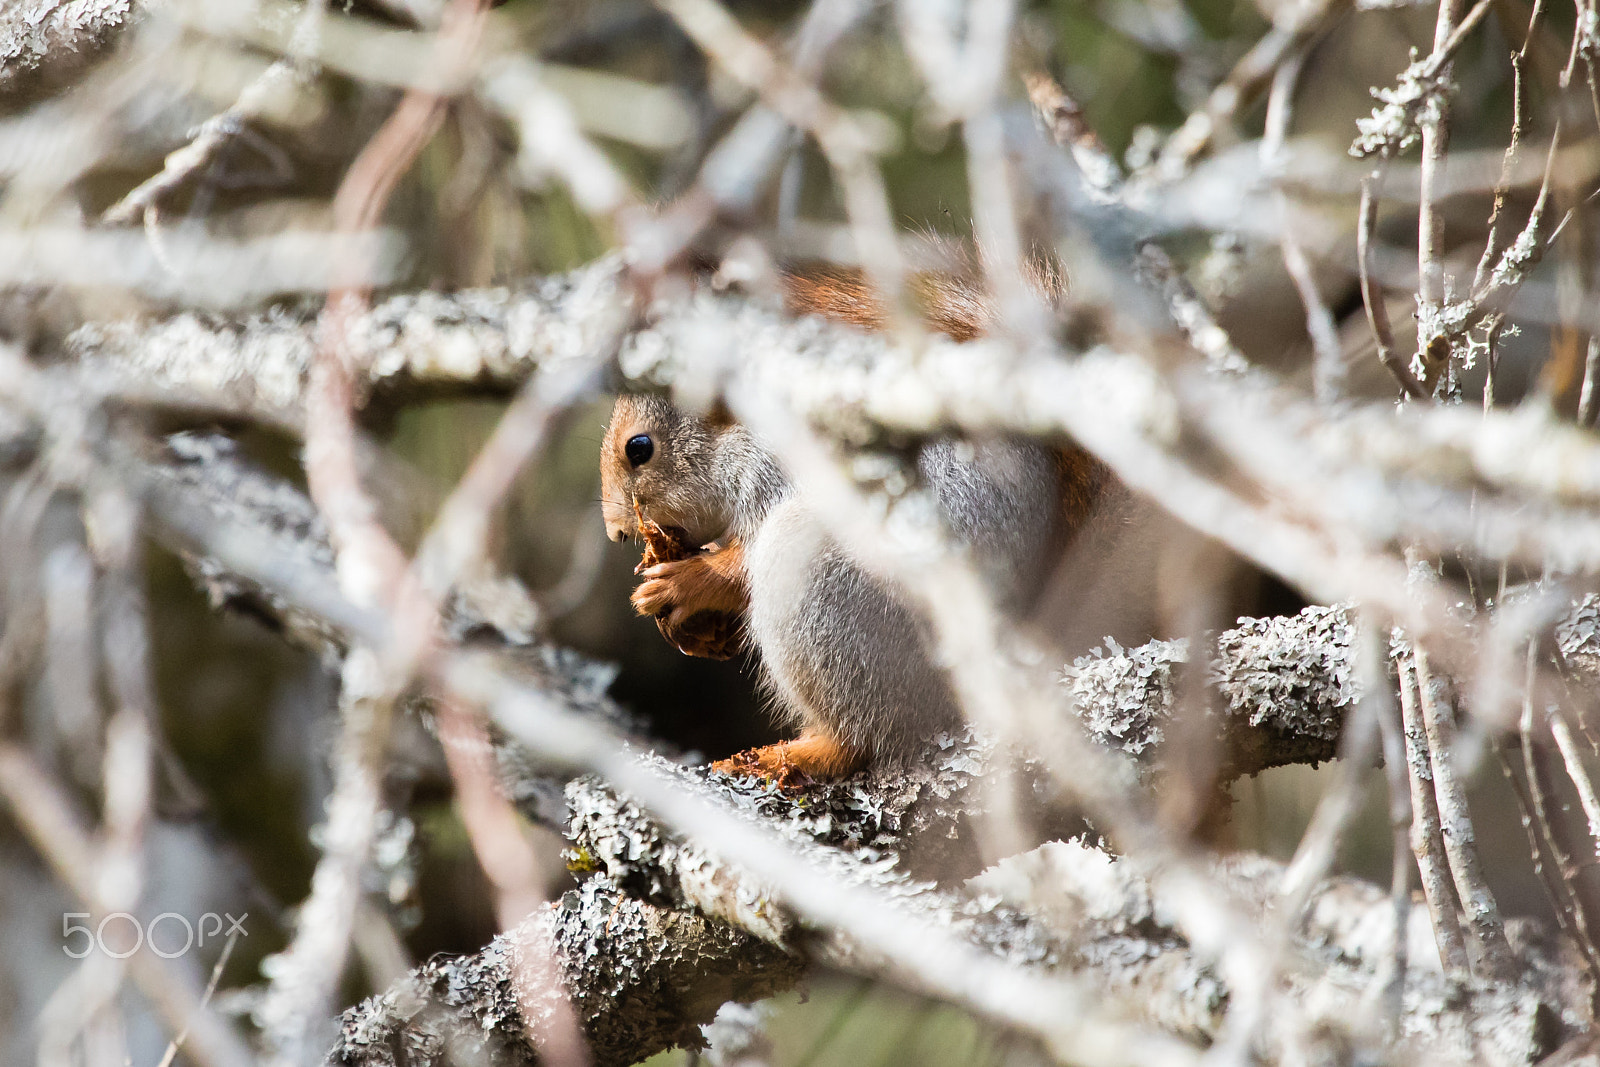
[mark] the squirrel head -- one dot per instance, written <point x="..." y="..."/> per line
<point x="657" y="463"/>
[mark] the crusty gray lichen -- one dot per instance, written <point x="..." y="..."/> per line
<point x="1095" y="905"/>
<point x="1292" y="674"/>
<point x="1578" y="636"/>
<point x="449" y="1010"/>
<point x="259" y="365"/>
<point x="861" y="830"/>
<point x="45" y="43"/>
<point x="641" y="978"/>
<point x="892" y="827"/>
<point x="1284" y="686"/>
<point x="1123" y="696"/>
<point x="1125" y="927"/>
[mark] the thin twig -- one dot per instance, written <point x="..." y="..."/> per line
<point x="1400" y="860"/>
<point x="1482" y="914"/>
<point x="1372" y="295"/>
<point x="1432" y="284"/>
<point x="1063" y="117"/>
<point x="1328" y="369"/>
<point x="1190" y="312"/>
<point x="1528" y="248"/>
<point x="1519" y="118"/>
<point x="285" y="75"/>
<point x="845" y="145"/>
<point x="1537" y="790"/>
<point x="1575" y="770"/>
<point x="1427" y="842"/>
<point x="1589" y="394"/>
<point x="1493" y="326"/>
<point x="205" y="998"/>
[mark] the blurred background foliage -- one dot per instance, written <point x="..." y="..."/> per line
<point x="250" y="720"/>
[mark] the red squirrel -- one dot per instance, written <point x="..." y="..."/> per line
<point x="843" y="656"/>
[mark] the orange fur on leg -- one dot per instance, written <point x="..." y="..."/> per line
<point x="811" y="756"/>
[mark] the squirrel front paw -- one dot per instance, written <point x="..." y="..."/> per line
<point x="664" y="593"/>
<point x="677" y="590"/>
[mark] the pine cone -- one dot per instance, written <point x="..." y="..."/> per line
<point x="708" y="634"/>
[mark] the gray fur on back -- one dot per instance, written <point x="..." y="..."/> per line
<point x="752" y="476"/>
<point x="1000" y="499"/>
<point x="840" y="647"/>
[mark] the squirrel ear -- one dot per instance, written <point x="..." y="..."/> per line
<point x="718" y="417"/>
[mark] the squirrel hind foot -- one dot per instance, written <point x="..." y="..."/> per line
<point x="794" y="764"/>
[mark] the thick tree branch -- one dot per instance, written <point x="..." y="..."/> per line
<point x="44" y="44"/>
<point x="1285" y="683"/>
<point x="1067" y="906"/>
<point x="259" y="365"/>
<point x="494" y="338"/>
<point x="642" y="979"/>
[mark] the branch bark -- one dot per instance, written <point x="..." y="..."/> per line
<point x="259" y="365"/>
<point x="1285" y="684"/>
<point x="642" y="978"/>
<point x="44" y="44"/>
<point x="1065" y="907"/>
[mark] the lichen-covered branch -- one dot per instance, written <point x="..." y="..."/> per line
<point x="1344" y="944"/>
<point x="1067" y="906"/>
<point x="46" y="43"/>
<point x="853" y="384"/>
<point x="642" y="978"/>
<point x="1285" y="683"/>
<point x="259" y="365"/>
<point x="895" y="831"/>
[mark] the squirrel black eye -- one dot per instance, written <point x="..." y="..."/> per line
<point x="639" y="450"/>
